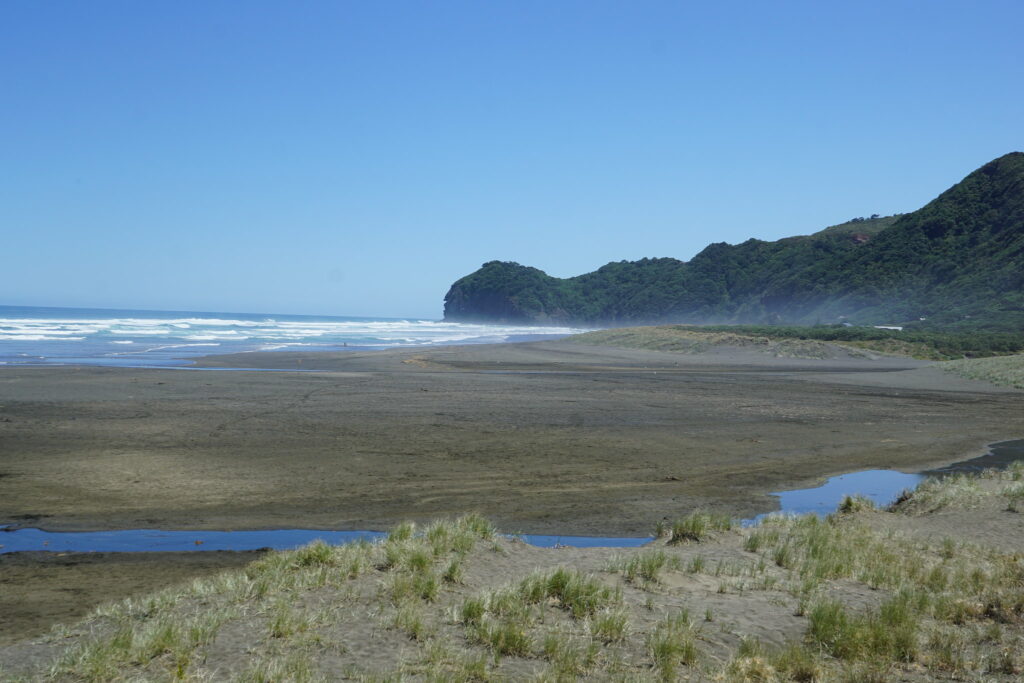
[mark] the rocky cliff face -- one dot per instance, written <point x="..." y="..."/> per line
<point x="960" y="257"/>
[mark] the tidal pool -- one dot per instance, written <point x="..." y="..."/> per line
<point x="881" y="486"/>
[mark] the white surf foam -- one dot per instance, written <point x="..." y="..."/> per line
<point x="171" y="335"/>
<point x="38" y="337"/>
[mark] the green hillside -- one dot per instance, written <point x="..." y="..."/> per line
<point x="957" y="262"/>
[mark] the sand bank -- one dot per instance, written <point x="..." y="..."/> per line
<point x="544" y="437"/>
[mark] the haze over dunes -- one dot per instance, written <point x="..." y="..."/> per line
<point x="959" y="261"/>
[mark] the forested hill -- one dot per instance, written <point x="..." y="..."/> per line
<point x="959" y="261"/>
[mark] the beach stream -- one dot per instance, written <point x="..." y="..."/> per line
<point x="882" y="487"/>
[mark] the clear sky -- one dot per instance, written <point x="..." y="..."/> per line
<point x="355" y="158"/>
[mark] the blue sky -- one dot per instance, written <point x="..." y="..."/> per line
<point x="350" y="158"/>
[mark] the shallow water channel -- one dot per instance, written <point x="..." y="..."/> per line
<point x="881" y="486"/>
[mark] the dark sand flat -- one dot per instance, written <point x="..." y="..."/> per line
<point x="40" y="589"/>
<point x="541" y="437"/>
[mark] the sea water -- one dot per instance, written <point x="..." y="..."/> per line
<point x="130" y="338"/>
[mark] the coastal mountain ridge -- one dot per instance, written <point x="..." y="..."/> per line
<point x="958" y="261"/>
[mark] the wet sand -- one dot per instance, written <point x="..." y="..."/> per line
<point x="543" y="437"/>
<point x="38" y="590"/>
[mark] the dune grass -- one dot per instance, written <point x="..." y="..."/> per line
<point x="963" y="491"/>
<point x="645" y="566"/>
<point x="1006" y="371"/>
<point x="935" y="597"/>
<point x="806" y="342"/>
<point x="672" y="643"/>
<point x="695" y="527"/>
<point x="853" y="504"/>
<point x="874" y="605"/>
<point x="685" y="340"/>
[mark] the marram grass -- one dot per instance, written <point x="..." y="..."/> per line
<point x="1006" y="371"/>
<point x="934" y="608"/>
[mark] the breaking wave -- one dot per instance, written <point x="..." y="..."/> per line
<point x="30" y="336"/>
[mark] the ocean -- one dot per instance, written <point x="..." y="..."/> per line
<point x="148" y="339"/>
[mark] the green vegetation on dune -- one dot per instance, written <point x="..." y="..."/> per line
<point x="956" y="262"/>
<point x="854" y="601"/>
<point x="808" y="342"/>
<point x="1007" y="371"/>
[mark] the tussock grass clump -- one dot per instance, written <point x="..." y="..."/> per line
<point x="797" y="662"/>
<point x="580" y="594"/>
<point x="644" y="566"/>
<point x="411" y="555"/>
<point x="568" y="659"/>
<point x="610" y="625"/>
<point x="751" y="662"/>
<point x="505" y="637"/>
<point x="1015" y="471"/>
<point x="416" y="586"/>
<point x="453" y="572"/>
<point x="816" y="549"/>
<point x="315" y="564"/>
<point x="316" y="554"/>
<point x="167" y="642"/>
<point x="401" y="532"/>
<point x="749" y="647"/>
<point x="473" y="610"/>
<point x="887" y="634"/>
<point x="293" y="667"/>
<point x="749" y="669"/>
<point x="697" y="526"/>
<point x="1014" y="495"/>
<point x="443" y="662"/>
<point x="760" y="536"/>
<point x="853" y="504"/>
<point x="409" y="618"/>
<point x="286" y="621"/>
<point x="504" y="619"/>
<point x="673" y="642"/>
<point x="407" y="547"/>
<point x="458" y="536"/>
<point x="408" y="554"/>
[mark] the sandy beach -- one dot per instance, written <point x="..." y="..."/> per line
<point x="543" y="437"/>
<point x="546" y="437"/>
